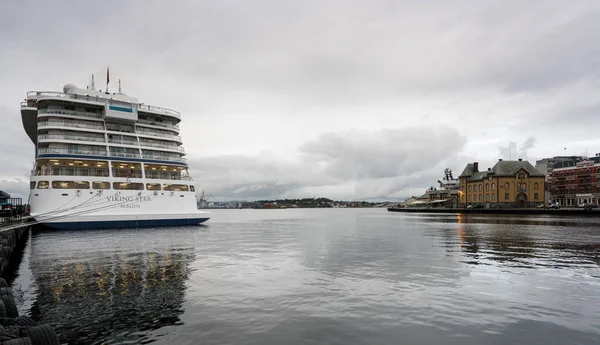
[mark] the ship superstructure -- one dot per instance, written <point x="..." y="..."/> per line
<point x="106" y="160"/>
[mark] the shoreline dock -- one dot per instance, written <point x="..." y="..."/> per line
<point x="507" y="211"/>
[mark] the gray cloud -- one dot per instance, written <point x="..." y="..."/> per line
<point x="514" y="151"/>
<point x="314" y="82"/>
<point x="363" y="164"/>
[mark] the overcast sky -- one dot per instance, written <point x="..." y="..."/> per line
<point x="339" y="99"/>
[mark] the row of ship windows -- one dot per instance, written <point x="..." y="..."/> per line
<point x="115" y="185"/>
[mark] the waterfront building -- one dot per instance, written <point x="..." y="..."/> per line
<point x="576" y="184"/>
<point x="506" y="184"/>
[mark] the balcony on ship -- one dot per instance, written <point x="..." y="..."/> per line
<point x="162" y="156"/>
<point x="151" y="121"/>
<point x="70" y="167"/>
<point x="162" y="144"/>
<point x="57" y="135"/>
<point x="124" y="152"/>
<point x="118" y="127"/>
<point x="126" y="169"/>
<point x="166" y="172"/>
<point x="157" y="133"/>
<point x="70" y="113"/>
<point x="72" y="124"/>
<point x="122" y="139"/>
<point x="144" y="109"/>
<point x="73" y="150"/>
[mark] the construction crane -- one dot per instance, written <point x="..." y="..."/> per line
<point x="203" y="200"/>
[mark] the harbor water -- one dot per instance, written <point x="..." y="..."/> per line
<point x="320" y="276"/>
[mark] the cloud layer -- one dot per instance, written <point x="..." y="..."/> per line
<point x="356" y="99"/>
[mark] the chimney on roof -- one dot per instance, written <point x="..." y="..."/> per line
<point x="475" y="167"/>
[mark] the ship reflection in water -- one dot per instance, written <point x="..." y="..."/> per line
<point x="103" y="288"/>
<point x="316" y="276"/>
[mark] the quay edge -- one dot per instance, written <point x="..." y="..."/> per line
<point x="507" y="211"/>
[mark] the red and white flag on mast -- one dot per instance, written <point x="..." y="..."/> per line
<point x="107" y="75"/>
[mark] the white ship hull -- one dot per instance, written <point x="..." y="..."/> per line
<point x="105" y="160"/>
<point x="90" y="208"/>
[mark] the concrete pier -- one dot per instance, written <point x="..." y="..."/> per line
<point x="507" y="211"/>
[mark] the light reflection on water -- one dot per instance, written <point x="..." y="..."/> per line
<point x="336" y="276"/>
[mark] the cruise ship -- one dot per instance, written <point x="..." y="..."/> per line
<point x="105" y="160"/>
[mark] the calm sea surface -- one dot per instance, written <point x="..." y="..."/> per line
<point x="320" y="276"/>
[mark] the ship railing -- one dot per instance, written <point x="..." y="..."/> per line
<point x="70" y="112"/>
<point x="155" y="175"/>
<point x="124" y="154"/>
<point x="163" y="146"/>
<point x="165" y="158"/>
<point x="124" y="142"/>
<point x="161" y="124"/>
<point x="71" y="137"/>
<point x="69" y="124"/>
<point x="63" y="171"/>
<point x="34" y="95"/>
<point x="145" y="107"/>
<point x="158" y="134"/>
<point x="71" y="151"/>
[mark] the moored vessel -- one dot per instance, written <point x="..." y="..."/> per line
<point x="105" y="160"/>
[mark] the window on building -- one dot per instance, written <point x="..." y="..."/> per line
<point x="505" y="196"/>
<point x="470" y="199"/>
<point x="487" y="187"/>
<point x="524" y="187"/>
<point x="480" y="187"/>
<point x="493" y="187"/>
<point x="479" y="197"/>
<point x="487" y="197"/>
<point x="493" y="197"/>
<point x="535" y="196"/>
<point x="469" y="188"/>
<point x="535" y="186"/>
<point x="506" y="186"/>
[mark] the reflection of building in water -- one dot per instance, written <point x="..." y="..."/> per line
<point x="112" y="296"/>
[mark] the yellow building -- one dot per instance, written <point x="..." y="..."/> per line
<point x="507" y="184"/>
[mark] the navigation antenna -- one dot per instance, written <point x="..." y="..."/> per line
<point x="93" y="83"/>
<point x="119" y="86"/>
